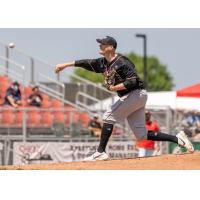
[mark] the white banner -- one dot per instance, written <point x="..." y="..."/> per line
<point x="53" y="152"/>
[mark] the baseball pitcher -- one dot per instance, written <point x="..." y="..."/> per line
<point x="121" y="76"/>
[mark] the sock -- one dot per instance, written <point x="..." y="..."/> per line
<point x="158" y="136"/>
<point x="105" y="135"/>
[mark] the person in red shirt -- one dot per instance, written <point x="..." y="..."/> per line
<point x="148" y="147"/>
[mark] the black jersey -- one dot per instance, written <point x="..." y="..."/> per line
<point x="125" y="71"/>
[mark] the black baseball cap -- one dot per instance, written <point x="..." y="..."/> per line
<point x="108" y="41"/>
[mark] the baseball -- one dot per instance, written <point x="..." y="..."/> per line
<point x="11" y="45"/>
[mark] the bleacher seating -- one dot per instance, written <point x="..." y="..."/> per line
<point x="8" y="117"/>
<point x="59" y="117"/>
<point x="27" y="91"/>
<point x="34" y="119"/>
<point x="84" y="119"/>
<point x="52" y="110"/>
<point x="4" y="79"/>
<point x="46" y="103"/>
<point x="45" y="97"/>
<point x="46" y="118"/>
<point x="18" y="118"/>
<point x="56" y="103"/>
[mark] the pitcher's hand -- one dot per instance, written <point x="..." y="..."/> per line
<point x="59" y="67"/>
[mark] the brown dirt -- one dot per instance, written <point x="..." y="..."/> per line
<point x="165" y="162"/>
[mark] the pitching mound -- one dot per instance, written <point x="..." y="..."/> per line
<point x="181" y="161"/>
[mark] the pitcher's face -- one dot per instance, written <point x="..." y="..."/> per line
<point x="105" y="49"/>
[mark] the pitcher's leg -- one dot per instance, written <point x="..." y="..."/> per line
<point x="105" y="135"/>
<point x="118" y="112"/>
<point x="136" y="122"/>
<point x="125" y="106"/>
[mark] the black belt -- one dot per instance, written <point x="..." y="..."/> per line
<point x="129" y="91"/>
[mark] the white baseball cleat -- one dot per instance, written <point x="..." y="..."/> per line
<point x="186" y="142"/>
<point x="97" y="156"/>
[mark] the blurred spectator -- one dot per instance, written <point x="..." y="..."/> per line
<point x="95" y="126"/>
<point x="189" y="119"/>
<point x="192" y="119"/>
<point x="148" y="147"/>
<point x="191" y="123"/>
<point x="13" y="95"/>
<point x="35" y="99"/>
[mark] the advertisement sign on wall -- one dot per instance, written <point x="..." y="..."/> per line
<point x="51" y="152"/>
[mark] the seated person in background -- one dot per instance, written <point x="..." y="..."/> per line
<point x="95" y="126"/>
<point x="13" y="95"/>
<point x="35" y="99"/>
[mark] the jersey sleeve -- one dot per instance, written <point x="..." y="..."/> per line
<point x="94" y="65"/>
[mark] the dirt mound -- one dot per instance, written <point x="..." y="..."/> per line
<point x="181" y="161"/>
